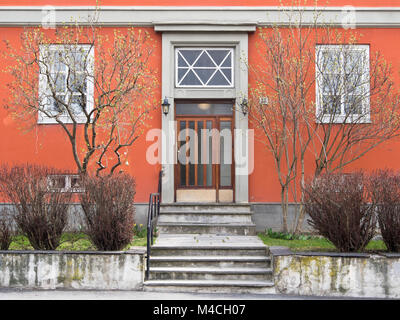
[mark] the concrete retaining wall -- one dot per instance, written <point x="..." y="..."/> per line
<point x="72" y="270"/>
<point x="336" y="274"/>
<point x="300" y="273"/>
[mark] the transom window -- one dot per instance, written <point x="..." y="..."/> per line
<point x="342" y="83"/>
<point x="204" y="67"/>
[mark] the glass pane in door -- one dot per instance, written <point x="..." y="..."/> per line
<point x="225" y="153"/>
<point x="195" y="153"/>
<point x="208" y="147"/>
<point x="192" y="152"/>
<point x="182" y="159"/>
<point x="200" y="165"/>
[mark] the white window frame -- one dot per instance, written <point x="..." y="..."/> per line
<point x="342" y="117"/>
<point x="217" y="68"/>
<point x="43" y="85"/>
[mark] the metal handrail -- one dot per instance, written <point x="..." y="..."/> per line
<point x="152" y="217"/>
<point x="159" y="182"/>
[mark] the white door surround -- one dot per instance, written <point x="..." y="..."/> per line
<point x="238" y="41"/>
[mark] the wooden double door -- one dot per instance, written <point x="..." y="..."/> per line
<point x="205" y="164"/>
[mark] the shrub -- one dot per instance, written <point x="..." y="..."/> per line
<point x="108" y="208"/>
<point x="385" y="192"/>
<point x="40" y="213"/>
<point x="339" y="210"/>
<point x="6" y="230"/>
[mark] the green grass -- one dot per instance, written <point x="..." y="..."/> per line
<point x="313" y="244"/>
<point x="73" y="241"/>
<point x="20" y="243"/>
<point x="138" y="242"/>
<point x="79" y="241"/>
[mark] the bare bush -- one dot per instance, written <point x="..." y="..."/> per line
<point x="340" y="210"/>
<point x="6" y="230"/>
<point x="385" y="192"/>
<point x="40" y="213"/>
<point x="109" y="212"/>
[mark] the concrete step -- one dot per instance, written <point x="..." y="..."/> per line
<point x="210" y="207"/>
<point x="207" y="228"/>
<point x="208" y="248"/>
<point x="208" y="245"/>
<point x="209" y="273"/>
<point x="211" y="261"/>
<point x="205" y="217"/>
<point x="209" y="286"/>
<point x="211" y="250"/>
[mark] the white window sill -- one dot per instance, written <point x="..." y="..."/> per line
<point x="66" y="120"/>
<point x="344" y="120"/>
<point x="63" y="190"/>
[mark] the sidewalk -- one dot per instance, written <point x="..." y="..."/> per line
<point x="23" y="294"/>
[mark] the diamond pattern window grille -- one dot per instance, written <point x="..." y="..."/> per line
<point x="204" y="67"/>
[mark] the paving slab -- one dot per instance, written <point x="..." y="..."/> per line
<point x="21" y="294"/>
<point x="180" y="240"/>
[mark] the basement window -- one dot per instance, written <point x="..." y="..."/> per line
<point x="65" y="183"/>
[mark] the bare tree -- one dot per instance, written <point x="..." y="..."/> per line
<point x="96" y="84"/>
<point x="330" y="102"/>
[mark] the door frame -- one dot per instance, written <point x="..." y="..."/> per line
<point x="212" y="38"/>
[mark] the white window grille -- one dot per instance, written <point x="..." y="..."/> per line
<point x="204" y="67"/>
<point x="342" y="83"/>
<point x="65" y="83"/>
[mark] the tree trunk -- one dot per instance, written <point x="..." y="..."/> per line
<point x="300" y="221"/>
<point x="284" y="206"/>
<point x="302" y="212"/>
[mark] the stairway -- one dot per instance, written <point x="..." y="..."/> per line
<point x="208" y="248"/>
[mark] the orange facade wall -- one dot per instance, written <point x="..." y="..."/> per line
<point x="47" y="144"/>
<point x="263" y="183"/>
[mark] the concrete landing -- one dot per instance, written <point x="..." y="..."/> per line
<point x="201" y="240"/>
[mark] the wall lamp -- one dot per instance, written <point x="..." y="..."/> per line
<point x="245" y="106"/>
<point x="165" y="106"/>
